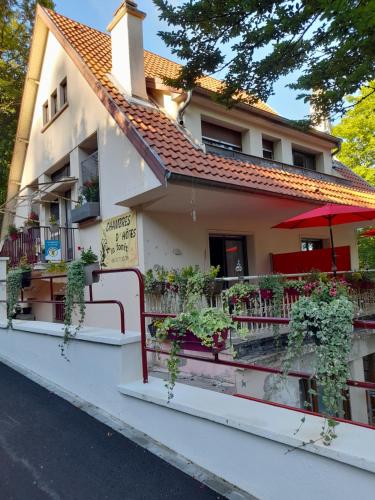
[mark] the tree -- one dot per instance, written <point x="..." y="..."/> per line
<point x="366" y="250"/>
<point x="357" y="129"/>
<point x="331" y="42"/>
<point x="16" y="24"/>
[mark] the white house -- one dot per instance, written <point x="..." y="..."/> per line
<point x="181" y="179"/>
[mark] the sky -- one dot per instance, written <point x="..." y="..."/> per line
<point x="98" y="14"/>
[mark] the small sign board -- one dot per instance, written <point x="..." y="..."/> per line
<point x="53" y="250"/>
<point x="119" y="241"/>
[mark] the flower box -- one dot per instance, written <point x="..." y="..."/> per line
<point x="87" y="211"/>
<point x="91" y="278"/>
<point x="292" y="293"/>
<point x="266" y="294"/>
<point x="192" y="343"/>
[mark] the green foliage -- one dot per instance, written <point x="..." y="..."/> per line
<point x="16" y="23"/>
<point x="204" y="324"/>
<point x="14" y="279"/>
<point x="357" y="129"/>
<point x="331" y="42"/>
<point x="74" y="300"/>
<point x="57" y="267"/>
<point x="88" y="257"/>
<point x="366" y="251"/>
<point x="90" y="190"/>
<point x="325" y="317"/>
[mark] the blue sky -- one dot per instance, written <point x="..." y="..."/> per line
<point x="98" y="13"/>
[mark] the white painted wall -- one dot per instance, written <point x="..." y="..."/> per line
<point x="246" y="443"/>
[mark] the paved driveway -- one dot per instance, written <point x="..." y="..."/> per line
<point x="49" y="449"/>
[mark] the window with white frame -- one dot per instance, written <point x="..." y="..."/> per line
<point x="222" y="137"/>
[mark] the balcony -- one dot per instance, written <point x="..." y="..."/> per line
<point x="264" y="162"/>
<point x="31" y="242"/>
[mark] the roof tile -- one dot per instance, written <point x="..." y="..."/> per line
<point x="178" y="153"/>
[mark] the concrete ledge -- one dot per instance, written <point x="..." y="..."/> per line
<point x="354" y="445"/>
<point x="87" y="333"/>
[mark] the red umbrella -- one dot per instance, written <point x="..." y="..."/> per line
<point x="369" y="233"/>
<point x="329" y="215"/>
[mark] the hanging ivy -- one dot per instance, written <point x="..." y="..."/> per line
<point x="326" y="318"/>
<point x="14" y="281"/>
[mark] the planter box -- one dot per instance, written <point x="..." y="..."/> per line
<point x="91" y="278"/>
<point x="266" y="294"/>
<point x="192" y="343"/>
<point x="87" y="211"/>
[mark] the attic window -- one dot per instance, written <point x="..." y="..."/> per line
<point x="222" y="137"/>
<point x="54" y="103"/>
<point x="63" y="92"/>
<point x="45" y="113"/>
<point x="303" y="159"/>
<point x="267" y="149"/>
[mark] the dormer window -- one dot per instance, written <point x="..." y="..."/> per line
<point x="304" y="160"/>
<point x="267" y="149"/>
<point x="221" y="137"/>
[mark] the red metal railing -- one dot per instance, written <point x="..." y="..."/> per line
<point x="215" y="359"/>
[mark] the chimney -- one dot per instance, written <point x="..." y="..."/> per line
<point x="127" y="49"/>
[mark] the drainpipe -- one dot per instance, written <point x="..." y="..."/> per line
<point x="181" y="111"/>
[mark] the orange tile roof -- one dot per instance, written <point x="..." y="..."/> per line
<point x="165" y="146"/>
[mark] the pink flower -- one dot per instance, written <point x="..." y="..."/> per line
<point x="333" y="292"/>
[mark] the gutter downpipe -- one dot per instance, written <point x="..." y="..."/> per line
<point x="181" y="111"/>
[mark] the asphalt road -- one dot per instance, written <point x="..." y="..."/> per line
<point x="50" y="449"/>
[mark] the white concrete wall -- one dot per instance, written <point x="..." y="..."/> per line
<point x="248" y="444"/>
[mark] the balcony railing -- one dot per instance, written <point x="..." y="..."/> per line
<point x="30" y="242"/>
<point x="264" y="162"/>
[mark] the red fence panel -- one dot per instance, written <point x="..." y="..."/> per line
<point x="303" y="262"/>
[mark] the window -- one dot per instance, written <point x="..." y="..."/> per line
<point x="63" y="92"/>
<point x="45" y="113"/>
<point x="61" y="173"/>
<point x="304" y="160"/>
<point x="267" y="149"/>
<point x="227" y="252"/>
<point x="222" y="137"/>
<point x="53" y="103"/>
<point x="311" y="244"/>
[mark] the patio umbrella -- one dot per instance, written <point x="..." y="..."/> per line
<point x="368" y="234"/>
<point x="329" y="215"/>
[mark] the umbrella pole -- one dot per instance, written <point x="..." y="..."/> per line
<point x="334" y="266"/>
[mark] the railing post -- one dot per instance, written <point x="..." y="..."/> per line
<point x="3" y="288"/>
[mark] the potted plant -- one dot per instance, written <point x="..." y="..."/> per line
<point x="270" y="286"/>
<point x="90" y="262"/>
<point x="326" y="318"/>
<point x="53" y="224"/>
<point x="14" y="280"/>
<point x="12" y="232"/>
<point x="198" y="330"/>
<point x="240" y="295"/>
<point x="26" y="269"/>
<point x="212" y="286"/>
<point x="294" y="288"/>
<point x="88" y="205"/>
<point x="32" y="219"/>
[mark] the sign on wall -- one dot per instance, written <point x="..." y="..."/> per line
<point x="53" y="250"/>
<point x="119" y="241"/>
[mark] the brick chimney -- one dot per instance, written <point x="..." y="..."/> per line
<point x="127" y="49"/>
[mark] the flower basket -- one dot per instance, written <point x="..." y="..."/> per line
<point x="266" y="294"/>
<point x="291" y="292"/>
<point x="191" y="342"/>
<point x="26" y="279"/>
<point x="14" y="236"/>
